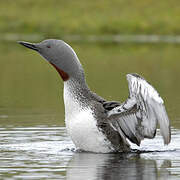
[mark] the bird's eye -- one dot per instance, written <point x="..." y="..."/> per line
<point x="48" y="46"/>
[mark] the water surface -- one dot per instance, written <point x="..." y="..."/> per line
<point x="47" y="152"/>
<point x="33" y="139"/>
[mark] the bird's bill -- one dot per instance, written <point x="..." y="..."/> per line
<point x="29" y="45"/>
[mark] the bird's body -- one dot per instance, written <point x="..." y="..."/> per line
<point x="97" y="125"/>
<point x="81" y="122"/>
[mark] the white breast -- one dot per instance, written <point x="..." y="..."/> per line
<point x="81" y="126"/>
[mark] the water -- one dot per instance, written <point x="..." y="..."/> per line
<point x="48" y="153"/>
<point x="33" y="139"/>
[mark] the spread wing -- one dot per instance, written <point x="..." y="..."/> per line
<point x="137" y="118"/>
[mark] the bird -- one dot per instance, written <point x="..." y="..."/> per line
<point x="98" y="125"/>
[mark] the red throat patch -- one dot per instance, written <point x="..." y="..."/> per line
<point x="63" y="74"/>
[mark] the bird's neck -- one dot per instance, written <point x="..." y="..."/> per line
<point x="76" y="87"/>
<point x="75" y="97"/>
<point x="63" y="74"/>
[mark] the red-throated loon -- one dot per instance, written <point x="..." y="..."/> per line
<point x="97" y="125"/>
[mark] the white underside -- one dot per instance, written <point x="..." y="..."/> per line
<point x="81" y="126"/>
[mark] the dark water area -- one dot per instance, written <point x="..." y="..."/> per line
<point x="33" y="140"/>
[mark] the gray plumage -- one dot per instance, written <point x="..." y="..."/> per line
<point x="140" y="114"/>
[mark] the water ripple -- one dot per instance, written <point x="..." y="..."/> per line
<point x="47" y="152"/>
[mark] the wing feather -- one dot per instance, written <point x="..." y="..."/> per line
<point x="140" y="114"/>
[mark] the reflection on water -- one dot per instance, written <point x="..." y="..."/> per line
<point x="111" y="166"/>
<point x="47" y="152"/>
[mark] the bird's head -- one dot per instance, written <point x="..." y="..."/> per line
<point x="60" y="55"/>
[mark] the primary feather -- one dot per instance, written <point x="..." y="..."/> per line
<point x="137" y="118"/>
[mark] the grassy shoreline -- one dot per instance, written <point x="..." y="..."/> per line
<point x="58" y="17"/>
